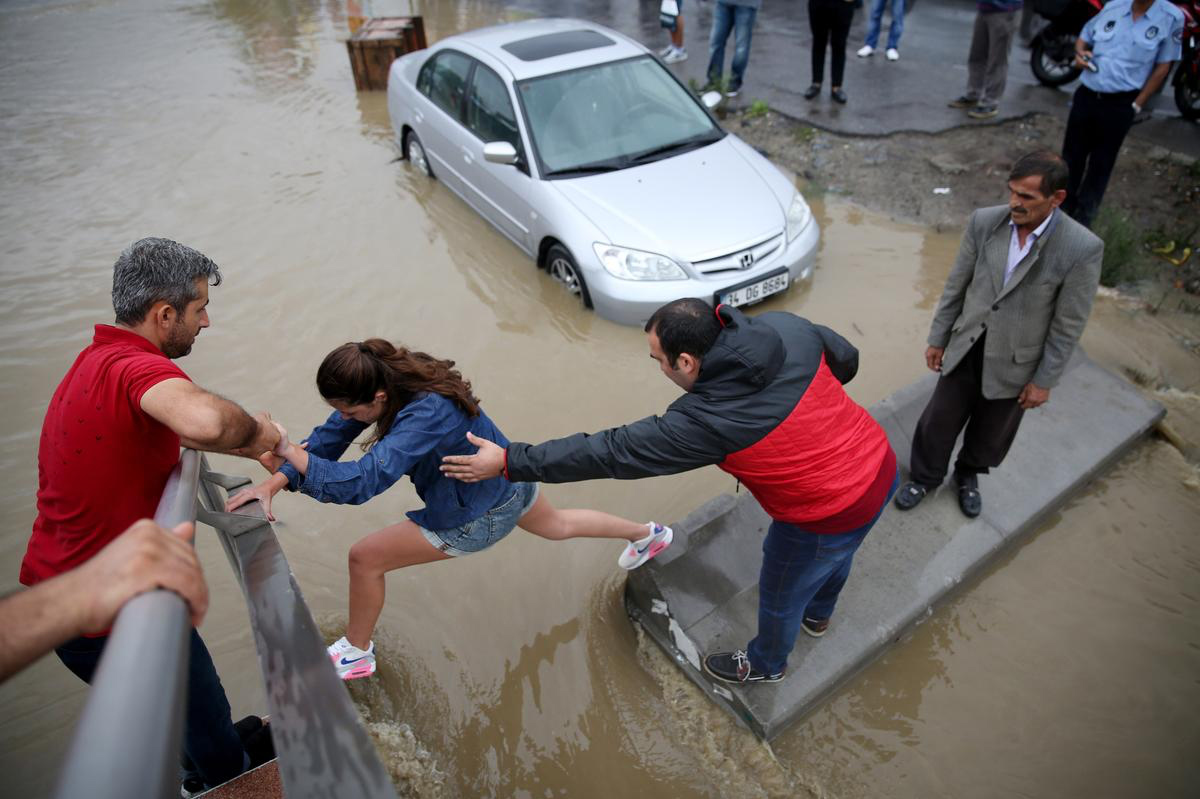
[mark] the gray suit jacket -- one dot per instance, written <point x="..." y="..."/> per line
<point x="1033" y="322"/>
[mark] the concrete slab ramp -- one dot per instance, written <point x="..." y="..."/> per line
<point x="702" y="594"/>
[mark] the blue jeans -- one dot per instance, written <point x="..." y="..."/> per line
<point x="211" y="746"/>
<point x="876" y="23"/>
<point x="739" y="19"/>
<point x="802" y="575"/>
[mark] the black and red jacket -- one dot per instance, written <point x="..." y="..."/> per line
<point x="769" y="408"/>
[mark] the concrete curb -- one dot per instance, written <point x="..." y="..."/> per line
<point x="702" y="595"/>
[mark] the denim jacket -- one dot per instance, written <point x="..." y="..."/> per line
<point x="425" y="429"/>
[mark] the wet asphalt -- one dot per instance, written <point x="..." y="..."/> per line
<point x="884" y="96"/>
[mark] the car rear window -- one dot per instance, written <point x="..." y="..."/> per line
<point x="549" y="45"/>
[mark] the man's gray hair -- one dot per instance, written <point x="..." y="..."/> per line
<point x="152" y="270"/>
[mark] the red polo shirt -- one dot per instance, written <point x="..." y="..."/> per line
<point x="102" y="461"/>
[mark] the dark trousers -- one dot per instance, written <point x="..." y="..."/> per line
<point x="1096" y="128"/>
<point x="958" y="401"/>
<point x="211" y="746"/>
<point x="802" y="575"/>
<point x="829" y="21"/>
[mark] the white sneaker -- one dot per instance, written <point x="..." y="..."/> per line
<point x="675" y="56"/>
<point x="640" y="551"/>
<point x="350" y="661"/>
<point x="865" y="51"/>
<point x="663" y="52"/>
<point x="893" y="54"/>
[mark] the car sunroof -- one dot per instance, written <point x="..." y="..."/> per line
<point x="551" y="44"/>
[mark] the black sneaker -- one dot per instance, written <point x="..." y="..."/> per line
<point x="735" y="667"/>
<point x="966" y="101"/>
<point x="910" y="495"/>
<point x="191" y="786"/>
<point x="814" y="627"/>
<point x="260" y="746"/>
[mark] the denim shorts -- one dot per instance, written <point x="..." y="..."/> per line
<point x="479" y="534"/>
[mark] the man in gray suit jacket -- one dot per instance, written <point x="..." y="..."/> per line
<point x="1013" y="308"/>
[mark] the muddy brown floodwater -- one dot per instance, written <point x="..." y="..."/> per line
<point x="1068" y="669"/>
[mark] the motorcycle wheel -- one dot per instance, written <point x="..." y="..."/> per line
<point x="1187" y="98"/>
<point x="1053" y="61"/>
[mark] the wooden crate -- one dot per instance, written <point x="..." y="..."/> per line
<point x="378" y="43"/>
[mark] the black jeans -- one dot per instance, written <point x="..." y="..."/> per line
<point x="1096" y="129"/>
<point x="211" y="746"/>
<point x="829" y="21"/>
<point x="958" y="401"/>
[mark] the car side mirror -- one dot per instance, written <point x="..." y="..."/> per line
<point x="499" y="152"/>
<point x="711" y="100"/>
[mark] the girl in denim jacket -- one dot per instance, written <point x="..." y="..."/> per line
<point x="422" y="410"/>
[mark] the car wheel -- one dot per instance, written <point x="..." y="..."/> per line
<point x="414" y="151"/>
<point x="565" y="271"/>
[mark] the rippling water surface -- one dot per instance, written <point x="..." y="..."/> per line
<point x="1070" y="669"/>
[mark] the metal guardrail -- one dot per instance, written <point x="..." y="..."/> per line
<point x="127" y="742"/>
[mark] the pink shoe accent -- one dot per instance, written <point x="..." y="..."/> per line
<point x="365" y="670"/>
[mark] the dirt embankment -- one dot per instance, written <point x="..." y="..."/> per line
<point x="1150" y="218"/>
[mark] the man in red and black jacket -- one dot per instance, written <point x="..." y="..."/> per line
<point x="765" y="403"/>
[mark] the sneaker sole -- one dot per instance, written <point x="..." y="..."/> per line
<point x="358" y="672"/>
<point x="651" y="551"/>
<point x="813" y="633"/>
<point x="735" y="681"/>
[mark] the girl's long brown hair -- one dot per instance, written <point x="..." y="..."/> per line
<point x="353" y="372"/>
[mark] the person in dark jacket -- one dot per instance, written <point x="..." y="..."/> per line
<point x="764" y="401"/>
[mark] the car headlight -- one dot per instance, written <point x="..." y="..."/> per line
<point x="798" y="216"/>
<point x="630" y="264"/>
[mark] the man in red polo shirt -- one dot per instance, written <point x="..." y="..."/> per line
<point x="109" y="441"/>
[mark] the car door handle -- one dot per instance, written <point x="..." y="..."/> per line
<point x="468" y="157"/>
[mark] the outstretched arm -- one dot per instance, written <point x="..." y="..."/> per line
<point x="87" y="599"/>
<point x="208" y="422"/>
<point x="652" y="446"/>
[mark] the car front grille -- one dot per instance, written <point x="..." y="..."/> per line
<point x="736" y="261"/>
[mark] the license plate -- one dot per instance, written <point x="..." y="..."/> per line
<point x="754" y="292"/>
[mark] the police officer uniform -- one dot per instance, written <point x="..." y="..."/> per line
<point x="1125" y="52"/>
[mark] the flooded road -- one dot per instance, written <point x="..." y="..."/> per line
<point x="1067" y="669"/>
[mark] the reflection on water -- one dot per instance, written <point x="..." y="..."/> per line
<point x="1067" y="670"/>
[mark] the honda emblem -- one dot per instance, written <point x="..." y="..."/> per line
<point x="747" y="259"/>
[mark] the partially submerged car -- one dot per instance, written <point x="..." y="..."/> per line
<point x="575" y="142"/>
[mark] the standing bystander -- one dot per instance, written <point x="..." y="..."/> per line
<point x="876" y="24"/>
<point x="987" y="62"/>
<point x="1126" y="51"/>
<point x="829" y="21"/>
<point x="1014" y="305"/>
<point x="109" y="441"/>
<point x="671" y="16"/>
<point x="736" y="16"/>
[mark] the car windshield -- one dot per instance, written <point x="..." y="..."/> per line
<point x="612" y="116"/>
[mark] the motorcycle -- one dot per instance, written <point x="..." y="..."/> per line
<point x="1052" y="51"/>
<point x="1187" y="71"/>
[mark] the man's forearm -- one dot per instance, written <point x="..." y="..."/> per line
<point x="227" y="428"/>
<point x="34" y="621"/>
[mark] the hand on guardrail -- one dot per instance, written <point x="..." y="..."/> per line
<point x="141" y="559"/>
<point x="87" y="599"/>
<point x="263" y="492"/>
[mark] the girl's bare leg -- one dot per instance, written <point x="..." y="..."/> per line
<point x="547" y="521"/>
<point x="391" y="548"/>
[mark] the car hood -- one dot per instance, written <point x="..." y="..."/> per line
<point x="690" y="207"/>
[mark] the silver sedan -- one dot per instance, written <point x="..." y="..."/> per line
<point x="575" y="142"/>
